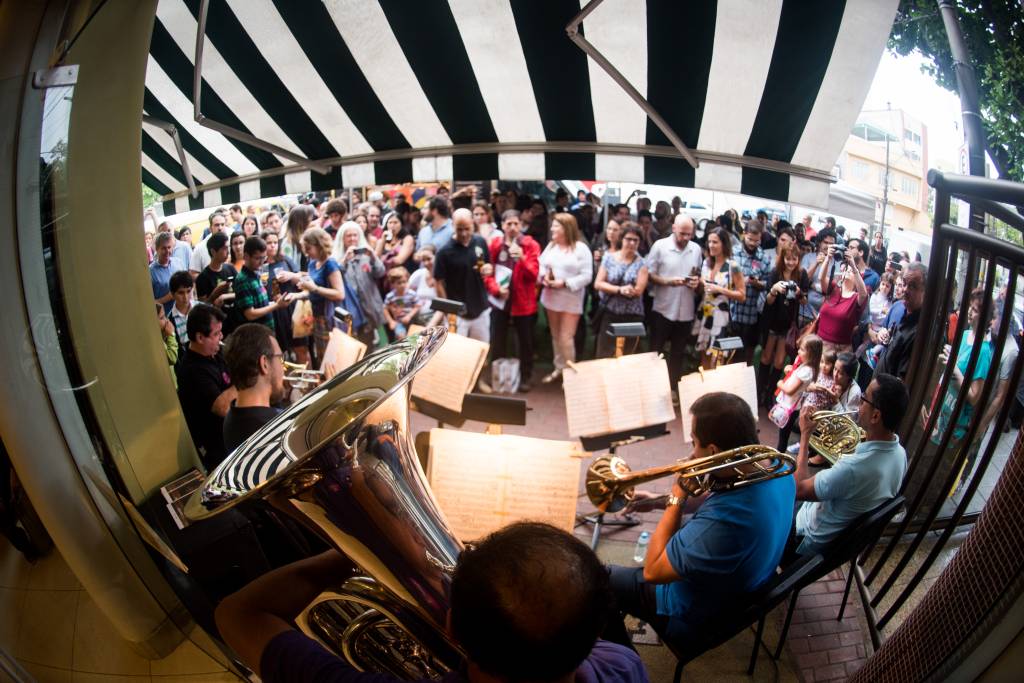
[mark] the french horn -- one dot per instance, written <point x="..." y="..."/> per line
<point x="610" y="483"/>
<point x="835" y="434"/>
<point x="342" y="462"/>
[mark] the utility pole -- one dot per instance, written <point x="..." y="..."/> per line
<point x="885" y="189"/>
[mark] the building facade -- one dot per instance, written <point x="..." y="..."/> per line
<point x="862" y="163"/>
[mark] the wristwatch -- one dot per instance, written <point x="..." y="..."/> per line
<point x="673" y="500"/>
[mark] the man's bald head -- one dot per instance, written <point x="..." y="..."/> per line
<point x="682" y="228"/>
<point x="462" y="221"/>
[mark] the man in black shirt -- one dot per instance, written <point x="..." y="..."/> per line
<point x="204" y="385"/>
<point x="214" y="282"/>
<point x="895" y="356"/>
<point x="457" y="273"/>
<point x="256" y="365"/>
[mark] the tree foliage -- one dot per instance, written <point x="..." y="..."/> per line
<point x="149" y="197"/>
<point x="994" y="33"/>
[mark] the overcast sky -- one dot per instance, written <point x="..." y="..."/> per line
<point x="899" y="81"/>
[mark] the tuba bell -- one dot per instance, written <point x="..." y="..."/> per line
<point x="341" y="461"/>
<point x="610" y="482"/>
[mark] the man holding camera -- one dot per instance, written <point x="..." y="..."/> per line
<point x="755" y="266"/>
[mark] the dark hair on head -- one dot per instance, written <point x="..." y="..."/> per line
<point x="754" y="225"/>
<point x="216" y="242"/>
<point x="486" y="207"/>
<point x="725" y="222"/>
<point x="630" y="228"/>
<point x="891" y="279"/>
<point x="724" y="237"/>
<point x="299" y="219"/>
<point x="181" y="232"/>
<point x="200" y="319"/>
<point x="890" y="399"/>
<point x="237" y="252"/>
<point x="849" y="363"/>
<point x="785" y="230"/>
<point x="243" y="350"/>
<point x="509" y="213"/>
<point x="824" y="233"/>
<point x="236" y="207"/>
<point x="644" y="213"/>
<point x="815" y="347"/>
<point x="724" y="420"/>
<point x="336" y="206"/>
<point x="859" y="247"/>
<point x="830" y="222"/>
<point x="780" y="262"/>
<point x="180" y="279"/>
<point x="783" y="224"/>
<point x="529" y="602"/>
<point x="254" y="245"/>
<point x="978" y="297"/>
<point x="762" y="212"/>
<point x="440" y="205"/>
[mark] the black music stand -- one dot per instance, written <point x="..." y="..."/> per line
<point x="624" y="331"/>
<point x="725" y="348"/>
<point x="451" y="308"/>
<point x="494" y="410"/>
<point x="612" y="442"/>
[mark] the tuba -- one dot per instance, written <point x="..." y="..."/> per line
<point x="835" y="434"/>
<point x="610" y="483"/>
<point x="342" y="462"/>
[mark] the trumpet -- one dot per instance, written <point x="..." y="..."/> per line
<point x="835" y="434"/>
<point x="610" y="483"/>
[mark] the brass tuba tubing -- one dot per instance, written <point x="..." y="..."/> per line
<point x="610" y="482"/>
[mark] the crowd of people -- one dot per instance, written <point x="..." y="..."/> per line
<point x="795" y="296"/>
<point x="828" y="321"/>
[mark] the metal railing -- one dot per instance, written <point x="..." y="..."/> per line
<point x="942" y="450"/>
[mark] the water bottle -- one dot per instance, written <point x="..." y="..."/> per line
<point x="640" y="552"/>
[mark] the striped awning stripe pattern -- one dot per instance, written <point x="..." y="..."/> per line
<point x="764" y="92"/>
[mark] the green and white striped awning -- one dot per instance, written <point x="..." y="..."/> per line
<point x="300" y="95"/>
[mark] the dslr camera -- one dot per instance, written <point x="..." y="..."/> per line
<point x="791" y="288"/>
<point x="839" y="252"/>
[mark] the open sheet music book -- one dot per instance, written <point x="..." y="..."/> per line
<point x="483" y="482"/>
<point x="452" y="372"/>
<point x="342" y="352"/>
<point x="616" y="394"/>
<point x="736" y="378"/>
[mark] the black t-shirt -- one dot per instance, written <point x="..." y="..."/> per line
<point x="241" y="423"/>
<point x="201" y="379"/>
<point x="781" y="314"/>
<point x="459" y="267"/>
<point x="207" y="280"/>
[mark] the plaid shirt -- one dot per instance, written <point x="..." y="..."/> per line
<point x="753" y="266"/>
<point x="250" y="293"/>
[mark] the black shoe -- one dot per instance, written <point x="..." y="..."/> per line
<point x="525" y="386"/>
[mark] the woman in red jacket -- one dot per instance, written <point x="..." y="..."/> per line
<point x="512" y="286"/>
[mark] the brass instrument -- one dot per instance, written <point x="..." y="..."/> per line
<point x="341" y="460"/>
<point x="302" y="378"/>
<point x="610" y="482"/>
<point x="835" y="434"/>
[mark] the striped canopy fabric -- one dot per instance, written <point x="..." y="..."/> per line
<point x="763" y="92"/>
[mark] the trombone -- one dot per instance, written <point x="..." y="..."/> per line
<point x="302" y="378"/>
<point x="610" y="483"/>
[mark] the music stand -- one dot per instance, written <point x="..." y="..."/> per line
<point x="612" y="442"/>
<point x="451" y="308"/>
<point x="623" y="331"/>
<point x="342" y="316"/>
<point x="725" y="347"/>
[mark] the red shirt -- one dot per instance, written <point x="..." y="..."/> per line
<point x="522" y="289"/>
<point x="839" y="316"/>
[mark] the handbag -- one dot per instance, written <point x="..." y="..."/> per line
<point x="792" y="340"/>
<point x="780" y="413"/>
<point x="302" y="319"/>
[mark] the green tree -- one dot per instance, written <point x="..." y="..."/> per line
<point x="149" y="197"/>
<point x="994" y="33"/>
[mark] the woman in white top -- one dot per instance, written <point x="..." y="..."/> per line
<point x="421" y="283"/>
<point x="566" y="268"/>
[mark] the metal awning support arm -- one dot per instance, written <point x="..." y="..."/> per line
<point x="573" y="31"/>
<point x="172" y="130"/>
<point x="223" y="129"/>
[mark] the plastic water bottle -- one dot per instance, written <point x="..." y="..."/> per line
<point x="640" y="552"/>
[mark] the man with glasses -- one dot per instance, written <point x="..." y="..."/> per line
<point x="256" y="365"/>
<point x="895" y="356"/>
<point x="858" y="482"/>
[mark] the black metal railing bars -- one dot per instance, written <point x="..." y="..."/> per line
<point x="945" y="426"/>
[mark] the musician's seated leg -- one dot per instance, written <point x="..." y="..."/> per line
<point x="635" y="597"/>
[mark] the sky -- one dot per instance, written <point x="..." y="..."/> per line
<point x="899" y="81"/>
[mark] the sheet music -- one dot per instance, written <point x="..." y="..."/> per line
<point x="452" y="372"/>
<point x="342" y="351"/>
<point x="737" y="378"/>
<point x="483" y="482"/>
<point x="617" y="394"/>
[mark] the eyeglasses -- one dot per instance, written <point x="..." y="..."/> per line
<point x="276" y="355"/>
<point x="864" y="398"/>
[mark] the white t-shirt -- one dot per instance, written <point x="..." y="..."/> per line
<point x="805" y="373"/>
<point x="200" y="257"/>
